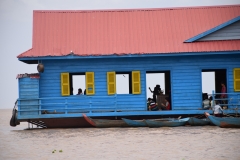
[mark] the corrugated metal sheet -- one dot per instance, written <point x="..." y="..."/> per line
<point x="136" y="31"/>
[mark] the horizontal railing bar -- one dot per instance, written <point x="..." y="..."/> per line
<point x="92" y="108"/>
<point x="69" y="97"/>
<point x="96" y="110"/>
<point x="225" y="93"/>
<point x="28" y="104"/>
<point x="227" y="99"/>
<point x="42" y="104"/>
<point x="230" y="104"/>
<point x="65" y="103"/>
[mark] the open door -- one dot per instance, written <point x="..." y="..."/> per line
<point x="220" y="76"/>
<point x="163" y="79"/>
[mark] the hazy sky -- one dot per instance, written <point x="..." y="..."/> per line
<point x="16" y="30"/>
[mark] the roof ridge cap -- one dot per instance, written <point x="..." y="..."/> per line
<point x="137" y="9"/>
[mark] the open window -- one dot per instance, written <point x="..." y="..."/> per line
<point x="212" y="79"/>
<point x="71" y="82"/>
<point x="159" y="77"/>
<point x="77" y="80"/>
<point x="124" y="82"/>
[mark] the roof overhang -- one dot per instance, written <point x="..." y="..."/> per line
<point x="35" y="60"/>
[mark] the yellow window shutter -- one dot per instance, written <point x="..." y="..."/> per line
<point x="65" y="84"/>
<point x="90" y="86"/>
<point x="136" y="82"/>
<point x="111" y="82"/>
<point x="236" y="80"/>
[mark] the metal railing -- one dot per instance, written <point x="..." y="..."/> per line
<point x="72" y="104"/>
<point x="65" y="104"/>
<point x="92" y="104"/>
<point x="231" y="102"/>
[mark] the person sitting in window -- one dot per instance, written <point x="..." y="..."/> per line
<point x="79" y="92"/>
<point x="155" y="92"/>
<point x="217" y="110"/>
<point x="148" y="103"/>
<point x="206" y="102"/>
<point x="166" y="105"/>
<point x="152" y="105"/>
<point x="211" y="101"/>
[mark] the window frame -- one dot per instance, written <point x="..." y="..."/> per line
<point x="70" y="82"/>
<point x="235" y="79"/>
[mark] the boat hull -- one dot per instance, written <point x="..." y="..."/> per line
<point x="224" y="122"/>
<point x="142" y="123"/>
<point x="170" y="123"/>
<point x="66" y="123"/>
<point x="104" y="123"/>
<point x="135" y="123"/>
<point x="198" y="122"/>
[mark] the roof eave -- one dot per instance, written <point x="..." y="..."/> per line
<point x="34" y="60"/>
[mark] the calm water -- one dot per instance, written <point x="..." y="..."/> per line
<point x="188" y="143"/>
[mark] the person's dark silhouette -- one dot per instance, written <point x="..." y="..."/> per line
<point x="79" y="91"/>
<point x="156" y="91"/>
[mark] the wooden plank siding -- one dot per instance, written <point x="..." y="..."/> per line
<point x="185" y="74"/>
<point x="29" y="93"/>
<point x="28" y="88"/>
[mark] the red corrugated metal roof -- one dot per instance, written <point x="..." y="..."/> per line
<point x="131" y="31"/>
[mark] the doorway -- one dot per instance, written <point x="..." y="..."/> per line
<point x="212" y="79"/>
<point x="161" y="78"/>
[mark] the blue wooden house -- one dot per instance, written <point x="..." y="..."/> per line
<point x="181" y="43"/>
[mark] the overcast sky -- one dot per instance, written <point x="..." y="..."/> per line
<point x="16" y="30"/>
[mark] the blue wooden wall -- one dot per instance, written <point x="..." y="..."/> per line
<point x="185" y="72"/>
<point x="28" y="89"/>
